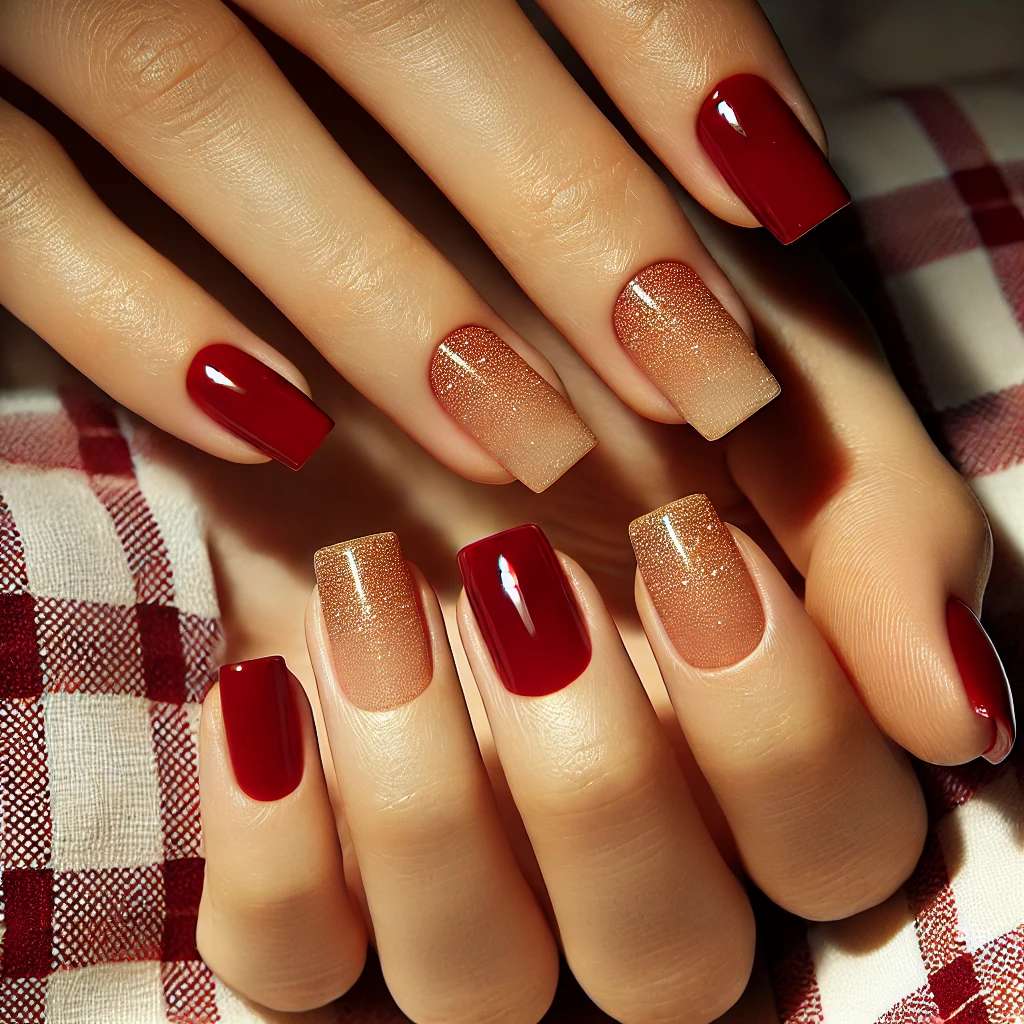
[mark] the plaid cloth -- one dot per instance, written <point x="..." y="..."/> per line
<point x="109" y="637"/>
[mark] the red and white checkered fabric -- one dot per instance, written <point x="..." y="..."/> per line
<point x="109" y="636"/>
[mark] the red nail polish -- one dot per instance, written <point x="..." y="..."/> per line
<point x="767" y="156"/>
<point x="526" y="610"/>
<point x="256" y="403"/>
<point x="983" y="676"/>
<point x="261" y="721"/>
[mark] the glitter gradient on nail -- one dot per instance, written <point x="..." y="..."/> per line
<point x="698" y="582"/>
<point x="515" y="414"/>
<point x="683" y="338"/>
<point x="371" y="609"/>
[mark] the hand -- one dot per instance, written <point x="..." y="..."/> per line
<point x="184" y="95"/>
<point x="463" y="902"/>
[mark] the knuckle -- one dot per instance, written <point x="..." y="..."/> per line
<point x="166" y="59"/>
<point x="25" y="151"/>
<point x="434" y="816"/>
<point x="599" y="784"/>
<point x="584" y="202"/>
<point x="397" y="24"/>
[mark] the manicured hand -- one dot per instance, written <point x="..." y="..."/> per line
<point x="185" y="96"/>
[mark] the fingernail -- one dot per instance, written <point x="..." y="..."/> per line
<point x="526" y="611"/>
<point x="261" y="721"/>
<point x="511" y="410"/>
<point x="371" y="607"/>
<point x="681" y="336"/>
<point x="767" y="156"/>
<point x="256" y="404"/>
<point x="698" y="582"/>
<point x="983" y="676"/>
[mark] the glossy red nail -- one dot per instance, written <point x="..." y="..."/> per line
<point x="256" y="403"/>
<point x="767" y="156"/>
<point x="261" y="721"/>
<point x="983" y="676"/>
<point x="526" y="610"/>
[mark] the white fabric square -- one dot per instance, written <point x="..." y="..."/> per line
<point x="881" y="148"/>
<point x="988" y="875"/>
<point x="233" y="1009"/>
<point x="962" y="330"/>
<point x="125" y="993"/>
<point x="178" y="518"/>
<point x="995" y="111"/>
<point x="1002" y="494"/>
<point x="859" y="977"/>
<point x="104" y="789"/>
<point x="71" y="547"/>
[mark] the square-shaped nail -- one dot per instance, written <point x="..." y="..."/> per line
<point x="768" y="158"/>
<point x="693" y="351"/>
<point x="262" y="725"/>
<point x="526" y="610"/>
<point x="699" y="583"/>
<point x="378" y="639"/>
<point x="256" y="404"/>
<point x="511" y="410"/>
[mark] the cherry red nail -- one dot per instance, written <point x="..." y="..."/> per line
<point x="262" y="724"/>
<point x="257" y="404"/>
<point x="767" y="156"/>
<point x="983" y="676"/>
<point x="526" y="610"/>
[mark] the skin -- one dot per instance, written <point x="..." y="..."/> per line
<point x="837" y="482"/>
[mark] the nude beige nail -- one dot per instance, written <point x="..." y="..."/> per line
<point x="698" y="582"/>
<point x="683" y="338"/>
<point x="378" y="641"/>
<point x="514" y="413"/>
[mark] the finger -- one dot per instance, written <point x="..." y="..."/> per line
<point x="580" y="220"/>
<point x="709" y="88"/>
<point x="892" y="542"/>
<point x="654" y="925"/>
<point x="277" y="927"/>
<point x="459" y="933"/>
<point x="134" y="323"/>
<point x="186" y="98"/>
<point x="827" y="815"/>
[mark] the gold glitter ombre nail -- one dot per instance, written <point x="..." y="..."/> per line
<point x="698" y="582"/>
<point x="515" y="414"/>
<point x="378" y="640"/>
<point x="681" y="336"/>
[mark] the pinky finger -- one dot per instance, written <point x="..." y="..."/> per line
<point x="131" y="321"/>
<point x="275" y="920"/>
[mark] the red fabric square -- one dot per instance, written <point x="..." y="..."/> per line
<point x="183" y="886"/>
<point x="954" y="984"/>
<point x="20" y="672"/>
<point x="980" y="185"/>
<point x="109" y="915"/>
<point x="163" y="664"/>
<point x="28" y="915"/>
<point x="105" y="454"/>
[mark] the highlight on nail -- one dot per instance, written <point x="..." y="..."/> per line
<point x="262" y="726"/>
<point x="526" y="611"/>
<point x="512" y="411"/>
<point x="379" y="646"/>
<point x="699" y="582"/>
<point x="983" y="677"/>
<point x="256" y="404"/>
<point x="694" y="352"/>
